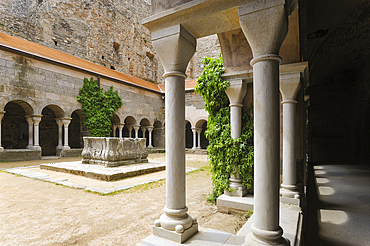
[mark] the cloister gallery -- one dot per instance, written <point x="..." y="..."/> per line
<point x="308" y="66"/>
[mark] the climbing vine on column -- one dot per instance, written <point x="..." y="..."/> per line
<point x="226" y="154"/>
<point x="98" y="107"/>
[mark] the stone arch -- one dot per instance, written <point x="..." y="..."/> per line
<point x="48" y="128"/>
<point x="158" y="134"/>
<point x="75" y="108"/>
<point x="14" y="127"/>
<point x="128" y="130"/>
<point x="27" y="105"/>
<point x="58" y="109"/>
<point x="75" y="129"/>
<point x="144" y="123"/>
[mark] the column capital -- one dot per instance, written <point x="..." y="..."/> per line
<point x="59" y="121"/>
<point x="136" y="127"/>
<point x="36" y="119"/>
<point x="120" y="126"/>
<point x="175" y="47"/>
<point x="66" y="121"/>
<point x="265" y="25"/>
<point x="150" y="128"/>
<point x="236" y="91"/>
<point x="290" y="81"/>
<point x="2" y="115"/>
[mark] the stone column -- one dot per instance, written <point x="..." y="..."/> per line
<point x="175" y="46"/>
<point x="143" y="129"/>
<point x="120" y="128"/>
<point x="199" y="131"/>
<point x="289" y="87"/>
<point x="194" y="130"/>
<point x="150" y="129"/>
<point x="66" y="122"/>
<point x="264" y="24"/>
<point x="30" y="131"/>
<point x="236" y="93"/>
<point x="129" y="128"/>
<point x="136" y="128"/>
<point x="36" y="120"/>
<point x="1" y="119"/>
<point x="114" y="130"/>
<point x="60" y="133"/>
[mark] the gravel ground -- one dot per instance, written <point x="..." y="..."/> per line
<point x="33" y="212"/>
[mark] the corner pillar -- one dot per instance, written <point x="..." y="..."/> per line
<point x="289" y="87"/>
<point x="36" y="121"/>
<point x="30" y="131"/>
<point x="264" y="23"/>
<point x="175" y="47"/>
<point x="1" y="119"/>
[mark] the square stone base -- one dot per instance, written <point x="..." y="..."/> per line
<point x="237" y="193"/>
<point x="293" y="201"/>
<point x="174" y="236"/>
<point x="232" y="204"/>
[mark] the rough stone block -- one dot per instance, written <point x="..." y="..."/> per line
<point x="112" y="152"/>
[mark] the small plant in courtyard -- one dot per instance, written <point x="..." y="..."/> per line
<point x="226" y="154"/>
<point x="98" y="107"/>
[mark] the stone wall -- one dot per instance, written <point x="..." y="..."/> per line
<point x="30" y="86"/>
<point x="106" y="32"/>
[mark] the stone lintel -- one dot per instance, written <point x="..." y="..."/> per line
<point x="174" y="236"/>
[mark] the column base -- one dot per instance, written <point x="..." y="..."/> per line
<point x="175" y="236"/>
<point x="252" y="240"/>
<point x="240" y="192"/>
<point x="1" y="149"/>
<point x="34" y="147"/>
<point x="150" y="146"/>
<point x="289" y="191"/>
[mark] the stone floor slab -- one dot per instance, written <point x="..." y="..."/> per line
<point x="233" y="204"/>
<point x="101" y="172"/>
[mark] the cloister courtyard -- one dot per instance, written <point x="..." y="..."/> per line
<point x="35" y="212"/>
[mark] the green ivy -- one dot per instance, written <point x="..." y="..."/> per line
<point x="226" y="154"/>
<point x="98" y="107"/>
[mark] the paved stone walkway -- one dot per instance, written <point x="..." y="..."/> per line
<point x="338" y="211"/>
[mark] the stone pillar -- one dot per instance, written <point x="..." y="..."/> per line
<point x="264" y="24"/>
<point x="175" y="46"/>
<point x="36" y="120"/>
<point x="199" y="131"/>
<point x="114" y="130"/>
<point x="30" y="131"/>
<point x="129" y="128"/>
<point x="236" y="93"/>
<point x="150" y="129"/>
<point x="289" y="87"/>
<point x="60" y="133"/>
<point x="66" y="122"/>
<point x="194" y="130"/>
<point x="1" y="119"/>
<point x="120" y="128"/>
<point x="143" y="129"/>
<point x="136" y="128"/>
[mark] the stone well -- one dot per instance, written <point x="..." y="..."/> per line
<point x="112" y="152"/>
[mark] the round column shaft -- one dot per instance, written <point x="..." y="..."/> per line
<point x="36" y="121"/>
<point x="120" y="127"/>
<point x="288" y="187"/>
<point x="236" y="120"/>
<point x="193" y="129"/>
<point x="199" y="130"/>
<point x="136" y="128"/>
<point x="66" y="122"/>
<point x="30" y="131"/>
<point x="150" y="129"/>
<point x="60" y="133"/>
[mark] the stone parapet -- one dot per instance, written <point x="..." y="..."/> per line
<point x="20" y="154"/>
